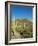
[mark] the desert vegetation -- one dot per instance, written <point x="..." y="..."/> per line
<point x="21" y="28"/>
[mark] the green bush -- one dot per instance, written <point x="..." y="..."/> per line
<point x="25" y="32"/>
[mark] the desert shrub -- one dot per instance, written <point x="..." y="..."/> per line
<point x="25" y="32"/>
<point x="19" y="29"/>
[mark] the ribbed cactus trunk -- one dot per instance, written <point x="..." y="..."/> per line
<point x="16" y="34"/>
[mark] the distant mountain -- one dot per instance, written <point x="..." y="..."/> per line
<point x="23" y="21"/>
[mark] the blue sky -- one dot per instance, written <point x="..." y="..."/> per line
<point x="21" y="12"/>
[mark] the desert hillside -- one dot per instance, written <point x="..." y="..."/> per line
<point x="21" y="28"/>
